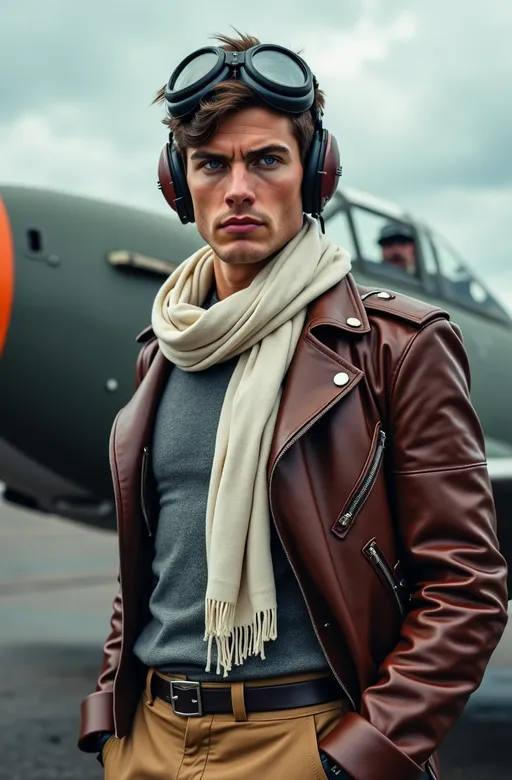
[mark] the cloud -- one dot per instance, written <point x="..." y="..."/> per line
<point x="59" y="159"/>
<point x="344" y="54"/>
<point x="418" y="96"/>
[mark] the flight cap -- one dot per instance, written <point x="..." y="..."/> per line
<point x="396" y="230"/>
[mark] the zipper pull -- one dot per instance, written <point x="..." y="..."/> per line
<point x="345" y="520"/>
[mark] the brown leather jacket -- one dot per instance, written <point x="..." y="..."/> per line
<point x="379" y="491"/>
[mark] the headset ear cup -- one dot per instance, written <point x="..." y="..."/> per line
<point x="184" y="205"/>
<point x="331" y="167"/>
<point x="165" y="182"/>
<point x="172" y="181"/>
<point x="310" y="177"/>
<point x="321" y="172"/>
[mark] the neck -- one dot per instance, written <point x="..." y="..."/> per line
<point x="230" y="279"/>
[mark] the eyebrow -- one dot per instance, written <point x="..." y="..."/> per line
<point x="204" y="154"/>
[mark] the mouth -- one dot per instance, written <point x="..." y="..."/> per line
<point x="241" y="225"/>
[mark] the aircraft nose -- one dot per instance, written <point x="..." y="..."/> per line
<point x="6" y="274"/>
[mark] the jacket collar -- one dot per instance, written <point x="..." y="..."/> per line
<point x="311" y="387"/>
<point x="341" y="307"/>
<point x="338" y="306"/>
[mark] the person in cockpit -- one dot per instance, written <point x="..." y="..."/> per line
<point x="398" y="244"/>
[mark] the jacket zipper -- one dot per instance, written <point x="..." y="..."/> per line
<point x="144" y="473"/>
<point x="377" y="559"/>
<point x="347" y="518"/>
<point x="283" y="451"/>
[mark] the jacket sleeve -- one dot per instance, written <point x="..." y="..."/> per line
<point x="97" y="709"/>
<point x="446" y="531"/>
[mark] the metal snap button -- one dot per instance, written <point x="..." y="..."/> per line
<point x="341" y="379"/>
<point x="354" y="322"/>
<point x="385" y="296"/>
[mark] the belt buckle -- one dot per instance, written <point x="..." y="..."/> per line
<point x="186" y="698"/>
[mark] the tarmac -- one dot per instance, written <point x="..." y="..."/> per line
<point x="57" y="582"/>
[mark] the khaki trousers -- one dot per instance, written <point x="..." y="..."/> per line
<point x="280" y="745"/>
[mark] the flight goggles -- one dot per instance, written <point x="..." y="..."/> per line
<point x="279" y="76"/>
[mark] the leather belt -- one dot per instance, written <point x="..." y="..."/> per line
<point x="191" y="699"/>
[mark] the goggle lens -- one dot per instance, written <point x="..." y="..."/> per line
<point x="279" y="68"/>
<point x="195" y="70"/>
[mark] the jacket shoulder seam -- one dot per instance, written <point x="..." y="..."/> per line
<point x="408" y="346"/>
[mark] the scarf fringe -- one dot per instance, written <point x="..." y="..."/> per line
<point x="236" y="643"/>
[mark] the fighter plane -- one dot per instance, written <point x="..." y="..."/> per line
<point x="77" y="282"/>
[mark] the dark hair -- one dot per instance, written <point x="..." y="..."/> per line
<point x="231" y="96"/>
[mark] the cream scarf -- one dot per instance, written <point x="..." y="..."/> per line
<point x="262" y="324"/>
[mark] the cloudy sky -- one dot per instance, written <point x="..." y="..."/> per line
<point x="419" y="96"/>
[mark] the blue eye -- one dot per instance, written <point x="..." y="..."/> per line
<point x="215" y="165"/>
<point x="269" y="159"/>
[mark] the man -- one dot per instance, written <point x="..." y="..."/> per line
<point x="309" y="577"/>
<point x="398" y="246"/>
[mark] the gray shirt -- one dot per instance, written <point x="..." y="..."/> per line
<point x="182" y="456"/>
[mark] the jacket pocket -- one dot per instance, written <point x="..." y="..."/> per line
<point x="345" y="520"/>
<point x="143" y="495"/>
<point x="396" y="587"/>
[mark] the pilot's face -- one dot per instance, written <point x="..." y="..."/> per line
<point x="249" y="173"/>
<point x="400" y="252"/>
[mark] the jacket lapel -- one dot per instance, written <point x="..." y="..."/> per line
<point x="318" y="377"/>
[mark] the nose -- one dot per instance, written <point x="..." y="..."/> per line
<point x="240" y="190"/>
<point x="6" y="274"/>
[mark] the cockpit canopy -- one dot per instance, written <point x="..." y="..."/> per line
<point x="387" y="242"/>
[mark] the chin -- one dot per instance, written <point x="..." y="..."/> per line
<point x="242" y="252"/>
